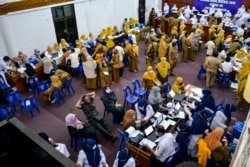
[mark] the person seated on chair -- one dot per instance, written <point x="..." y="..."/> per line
<point x="55" y="83"/>
<point x="154" y="98"/>
<point x="124" y="159"/>
<point x="86" y="103"/>
<point x="223" y="117"/>
<point x="178" y="86"/>
<point x="91" y="155"/>
<point x="129" y="119"/>
<point x="164" y="149"/>
<point x="109" y="100"/>
<point x="218" y="148"/>
<point x="63" y="75"/>
<point x="150" y="79"/>
<point x="227" y="65"/>
<point x="29" y="72"/>
<point x="79" y="128"/>
<point x="183" y="133"/>
<point x="59" y="146"/>
<point x="208" y="100"/>
<point x="144" y="109"/>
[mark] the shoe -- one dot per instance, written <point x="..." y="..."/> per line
<point x="172" y="74"/>
<point x="114" y="138"/>
<point x="53" y="101"/>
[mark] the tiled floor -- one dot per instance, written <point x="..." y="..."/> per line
<point x="52" y="118"/>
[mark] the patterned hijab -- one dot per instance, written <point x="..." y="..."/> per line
<point x="72" y="120"/>
<point x="213" y="139"/>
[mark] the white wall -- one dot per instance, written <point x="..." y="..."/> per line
<point x="34" y="29"/>
<point x="149" y="5"/>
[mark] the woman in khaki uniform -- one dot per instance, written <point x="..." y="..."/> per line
<point x="163" y="70"/>
<point x="133" y="54"/>
<point x="116" y="71"/>
<point x="150" y="79"/>
<point x="55" y="83"/>
<point x="185" y="45"/>
<point x="151" y="50"/>
<point x="240" y="90"/>
<point x="104" y="75"/>
<point x="162" y="51"/>
<point x="172" y="57"/>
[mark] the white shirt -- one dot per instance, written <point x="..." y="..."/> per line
<point x="129" y="163"/>
<point x="63" y="149"/>
<point x="165" y="147"/>
<point x="74" y="60"/>
<point x="203" y="20"/>
<point x="227" y="67"/>
<point x="47" y="65"/>
<point x="89" y="68"/>
<point x="218" y="120"/>
<point x="120" y="52"/>
<point x="210" y="47"/>
<point x="239" y="32"/>
<point x="222" y="55"/>
<point x="149" y="112"/>
<point x="83" y="161"/>
<point x="166" y="8"/>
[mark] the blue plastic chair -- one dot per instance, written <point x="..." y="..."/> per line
<point x="78" y="70"/>
<point x="32" y="83"/>
<point x="67" y="85"/>
<point x="224" y="78"/>
<point x="220" y="105"/>
<point x="137" y="89"/>
<point x="106" y="112"/>
<point x="42" y="86"/>
<point x="4" y="112"/>
<point x="12" y="98"/>
<point x="123" y="138"/>
<point x="52" y="71"/>
<point x="57" y="94"/>
<point x="202" y="71"/>
<point x="29" y="103"/>
<point x="33" y="60"/>
<point x="3" y="84"/>
<point x="129" y="97"/>
<point x="170" y="161"/>
<point x="166" y="89"/>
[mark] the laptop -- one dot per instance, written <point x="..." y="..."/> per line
<point x="158" y="120"/>
<point x="54" y="55"/>
<point x="150" y="134"/>
<point x="178" y="98"/>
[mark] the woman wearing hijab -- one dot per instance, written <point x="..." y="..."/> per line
<point x="63" y="75"/>
<point x="154" y="97"/>
<point x="163" y="70"/>
<point x="110" y="103"/>
<point x="116" y="71"/>
<point x="208" y="100"/>
<point x="130" y="120"/>
<point x="91" y="155"/>
<point x="162" y="51"/>
<point x="124" y="159"/>
<point x="79" y="128"/>
<point x="55" y="83"/>
<point x="144" y="110"/>
<point x="219" y="150"/>
<point x="133" y="53"/>
<point x="150" y="79"/>
<point x="59" y="146"/>
<point x="178" y="86"/>
<point x="198" y="128"/>
<point x="172" y="56"/>
<point x="104" y="75"/>
<point x="223" y="117"/>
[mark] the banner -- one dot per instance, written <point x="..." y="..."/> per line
<point x="231" y="5"/>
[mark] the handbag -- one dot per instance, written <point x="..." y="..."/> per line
<point x="118" y="65"/>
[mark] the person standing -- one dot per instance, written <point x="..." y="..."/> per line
<point x="163" y="69"/>
<point x="133" y="54"/>
<point x="47" y="66"/>
<point x="116" y="67"/>
<point x="172" y="57"/>
<point x="185" y="46"/>
<point x="212" y="65"/>
<point x="162" y="51"/>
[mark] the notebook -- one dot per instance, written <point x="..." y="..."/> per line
<point x="166" y="123"/>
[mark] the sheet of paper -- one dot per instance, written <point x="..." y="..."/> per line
<point x="21" y="69"/>
<point x="130" y="130"/>
<point x="180" y="115"/>
<point x="148" y="142"/>
<point x="197" y="91"/>
<point x="171" y="93"/>
<point x="234" y="85"/>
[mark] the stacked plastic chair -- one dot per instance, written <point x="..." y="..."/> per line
<point x="129" y="97"/>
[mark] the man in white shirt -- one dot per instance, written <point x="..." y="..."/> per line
<point x="227" y="65"/>
<point x="210" y="45"/>
<point x="74" y="59"/>
<point x="240" y="31"/>
<point x="3" y="68"/>
<point x="165" y="147"/>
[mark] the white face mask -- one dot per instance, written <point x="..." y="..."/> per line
<point x="150" y="71"/>
<point x="108" y="90"/>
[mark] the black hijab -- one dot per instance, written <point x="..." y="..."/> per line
<point x="108" y="97"/>
<point x="29" y="70"/>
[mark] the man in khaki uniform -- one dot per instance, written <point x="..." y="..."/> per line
<point x="212" y="65"/>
